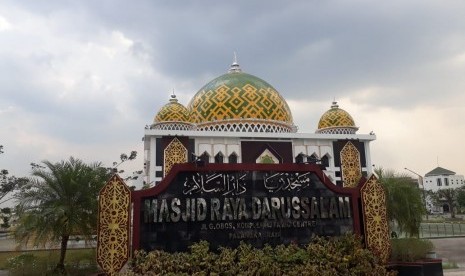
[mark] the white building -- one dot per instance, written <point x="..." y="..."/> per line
<point x="437" y="179"/>
<point x="239" y="118"/>
<point x="440" y="178"/>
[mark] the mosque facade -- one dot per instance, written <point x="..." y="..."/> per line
<point x="240" y="118"/>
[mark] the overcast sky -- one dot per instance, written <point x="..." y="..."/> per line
<point x="83" y="78"/>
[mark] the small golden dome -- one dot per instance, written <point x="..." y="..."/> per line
<point x="172" y="112"/>
<point x="336" y="121"/>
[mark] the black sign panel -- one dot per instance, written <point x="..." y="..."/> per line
<point x="258" y="207"/>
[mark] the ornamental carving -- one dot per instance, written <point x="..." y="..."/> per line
<point x="350" y="165"/>
<point x="266" y="157"/>
<point x="113" y="225"/>
<point x="375" y="218"/>
<point x="174" y="153"/>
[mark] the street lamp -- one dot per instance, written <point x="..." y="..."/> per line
<point x="420" y="179"/>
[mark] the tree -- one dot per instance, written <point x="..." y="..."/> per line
<point x="404" y="202"/>
<point x="448" y="196"/>
<point x="8" y="183"/>
<point x="461" y="197"/>
<point x="123" y="158"/>
<point x="60" y="200"/>
<point x="5" y="215"/>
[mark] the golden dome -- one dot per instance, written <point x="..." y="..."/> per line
<point x="336" y="121"/>
<point x="172" y="116"/>
<point x="238" y="98"/>
<point x="172" y="112"/>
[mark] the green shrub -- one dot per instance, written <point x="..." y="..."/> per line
<point x="449" y="265"/>
<point x="21" y="260"/>
<point x="24" y="264"/>
<point x="78" y="262"/>
<point x="324" y="256"/>
<point x="410" y="249"/>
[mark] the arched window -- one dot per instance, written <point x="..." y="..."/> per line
<point x="219" y="158"/>
<point x="299" y="159"/>
<point x="205" y="157"/>
<point x="313" y="159"/>
<point x="232" y="159"/>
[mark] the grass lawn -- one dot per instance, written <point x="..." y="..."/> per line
<point x="38" y="262"/>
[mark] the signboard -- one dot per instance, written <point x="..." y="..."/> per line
<point x="255" y="203"/>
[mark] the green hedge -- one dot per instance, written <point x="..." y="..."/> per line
<point x="410" y="249"/>
<point x="324" y="256"/>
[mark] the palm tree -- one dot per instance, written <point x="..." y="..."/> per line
<point x="59" y="201"/>
<point x="404" y="202"/>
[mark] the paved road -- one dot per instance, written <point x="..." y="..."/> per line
<point x="451" y="250"/>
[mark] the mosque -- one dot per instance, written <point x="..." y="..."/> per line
<point x="240" y="118"/>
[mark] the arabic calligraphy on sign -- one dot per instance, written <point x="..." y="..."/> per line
<point x="234" y="183"/>
<point x="221" y="183"/>
<point x="286" y="181"/>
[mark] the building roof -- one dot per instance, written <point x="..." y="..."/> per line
<point x="439" y="171"/>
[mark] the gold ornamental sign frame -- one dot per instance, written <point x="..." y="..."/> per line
<point x="375" y="218"/>
<point x="114" y="217"/>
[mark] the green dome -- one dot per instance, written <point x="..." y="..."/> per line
<point x="238" y="96"/>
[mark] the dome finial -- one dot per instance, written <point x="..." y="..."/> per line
<point x="173" y="97"/>
<point x="334" y="105"/>
<point x="235" y="66"/>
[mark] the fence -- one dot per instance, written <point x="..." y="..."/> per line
<point x="441" y="230"/>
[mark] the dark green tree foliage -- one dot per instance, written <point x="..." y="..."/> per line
<point x="461" y="197"/>
<point x="448" y="196"/>
<point x="8" y="183"/>
<point x="60" y="200"/>
<point x="404" y="201"/>
<point x="5" y="214"/>
<point x="124" y="158"/>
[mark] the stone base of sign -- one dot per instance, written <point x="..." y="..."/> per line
<point x="427" y="267"/>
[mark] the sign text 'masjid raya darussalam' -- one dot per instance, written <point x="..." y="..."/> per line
<point x="257" y="207"/>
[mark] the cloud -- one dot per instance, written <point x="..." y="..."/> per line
<point x="84" y="77"/>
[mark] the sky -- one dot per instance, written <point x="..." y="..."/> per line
<point x="83" y="78"/>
